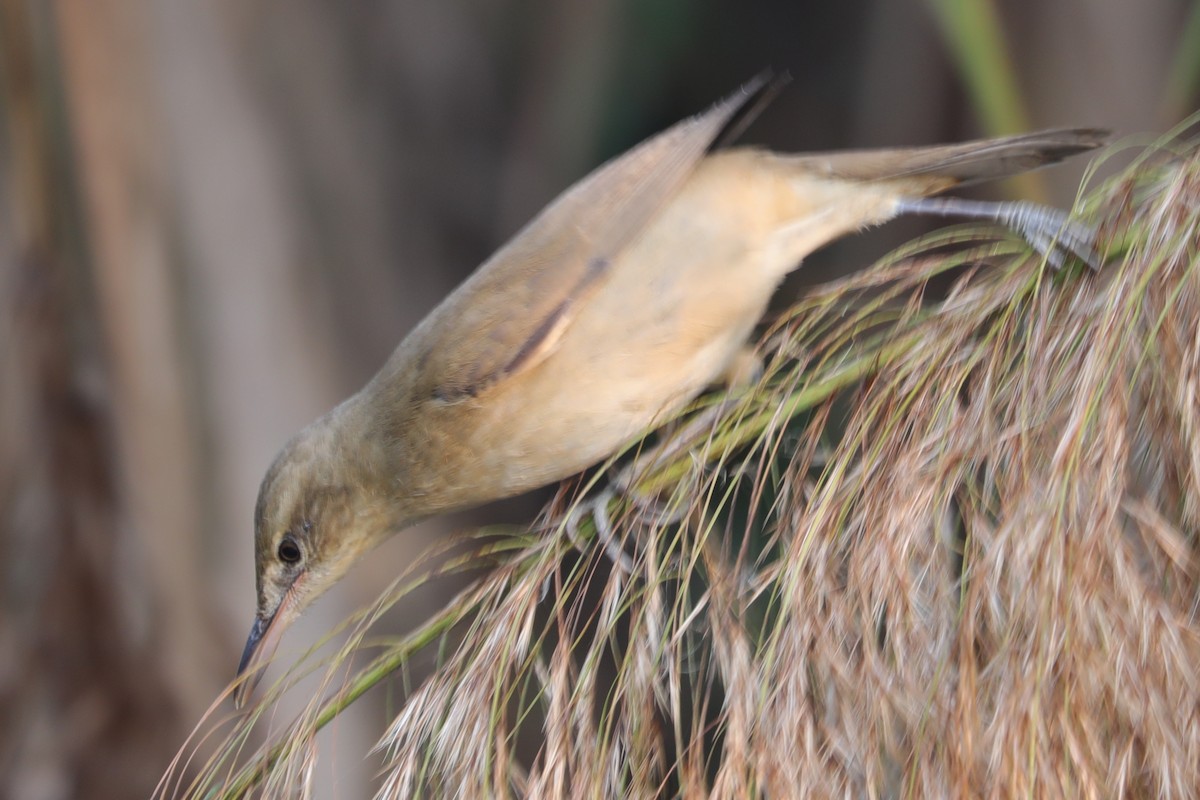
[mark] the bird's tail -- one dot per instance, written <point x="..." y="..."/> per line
<point x="939" y="167"/>
<point x="832" y="194"/>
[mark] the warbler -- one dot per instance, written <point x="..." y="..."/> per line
<point x="616" y="305"/>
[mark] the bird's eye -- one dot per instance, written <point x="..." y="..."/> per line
<point x="289" y="551"/>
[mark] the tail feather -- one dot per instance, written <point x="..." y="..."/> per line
<point x="968" y="162"/>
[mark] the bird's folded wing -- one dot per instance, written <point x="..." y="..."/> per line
<point x="509" y="315"/>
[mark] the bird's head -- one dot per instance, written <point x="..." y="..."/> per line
<point x="318" y="511"/>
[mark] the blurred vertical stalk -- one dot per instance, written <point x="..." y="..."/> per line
<point x="94" y="655"/>
<point x="974" y="36"/>
<point x="1183" y="80"/>
<point x="128" y="209"/>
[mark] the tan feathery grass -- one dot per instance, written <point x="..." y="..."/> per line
<point x="940" y="549"/>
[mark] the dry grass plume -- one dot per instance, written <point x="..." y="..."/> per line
<point x="940" y="549"/>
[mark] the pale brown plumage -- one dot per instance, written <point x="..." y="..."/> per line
<point x="617" y="304"/>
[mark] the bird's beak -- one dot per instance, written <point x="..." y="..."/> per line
<point x="260" y="646"/>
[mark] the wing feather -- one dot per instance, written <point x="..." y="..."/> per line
<point x="508" y="316"/>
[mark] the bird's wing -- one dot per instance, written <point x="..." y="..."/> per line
<point x="508" y="316"/>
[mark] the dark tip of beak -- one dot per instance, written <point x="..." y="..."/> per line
<point x="257" y="631"/>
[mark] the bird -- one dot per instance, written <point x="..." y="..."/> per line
<point x="615" y="306"/>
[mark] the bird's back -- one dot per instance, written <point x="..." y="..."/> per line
<point x="631" y="292"/>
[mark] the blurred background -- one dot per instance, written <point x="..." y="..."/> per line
<point x="218" y="217"/>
